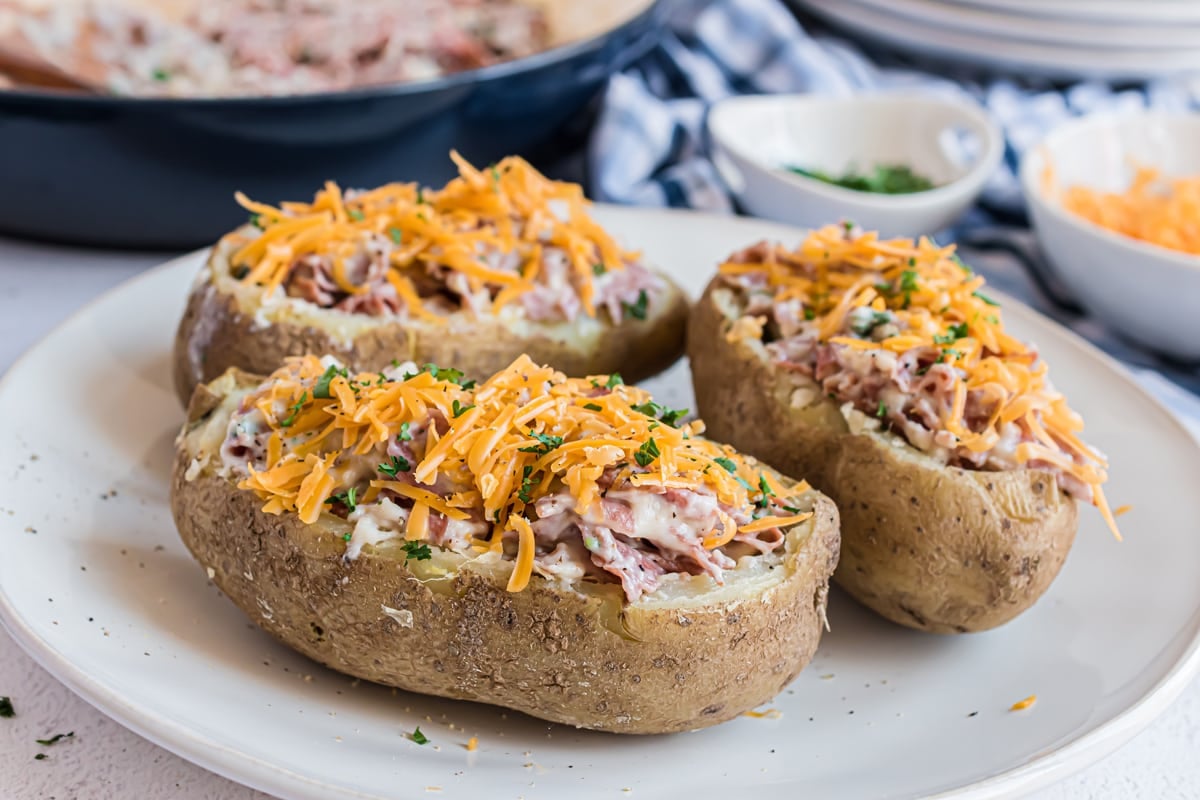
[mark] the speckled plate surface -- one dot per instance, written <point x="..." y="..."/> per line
<point x="95" y="584"/>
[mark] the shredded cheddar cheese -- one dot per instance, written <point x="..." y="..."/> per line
<point x="1021" y="705"/>
<point x="770" y="713"/>
<point x="1154" y="209"/>
<point x="509" y="211"/>
<point x="927" y="299"/>
<point x="500" y="446"/>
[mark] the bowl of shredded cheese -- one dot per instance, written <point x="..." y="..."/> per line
<point x="1115" y="202"/>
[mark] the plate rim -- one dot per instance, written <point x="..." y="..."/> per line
<point x="974" y="19"/>
<point x="1082" y="62"/>
<point x="256" y="773"/>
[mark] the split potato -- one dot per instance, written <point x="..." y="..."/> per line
<point x="228" y="324"/>
<point x="686" y="656"/>
<point x="931" y="547"/>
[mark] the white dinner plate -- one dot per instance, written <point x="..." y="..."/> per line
<point x="1027" y="58"/>
<point x="96" y="586"/>
<point x="1135" y="12"/>
<point x="1024" y="27"/>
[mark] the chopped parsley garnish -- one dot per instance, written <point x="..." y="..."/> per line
<point x="646" y="454"/>
<point x="614" y="380"/>
<point x="397" y="236"/>
<point x="495" y="172"/>
<point x="908" y="285"/>
<point x="40" y="757"/>
<point x="992" y="318"/>
<point x="420" y="195"/>
<point x="765" y="490"/>
<point x="791" y="509"/>
<point x="295" y="409"/>
<point x="526" y="485"/>
<point x="399" y="464"/>
<point x="638" y="309"/>
<point x="956" y="332"/>
<point x="728" y="463"/>
<point x="419" y="737"/>
<point x="458" y="409"/>
<point x="848" y="224"/>
<point x="55" y="739"/>
<point x="348" y="498"/>
<point x="864" y="326"/>
<point x="547" y="443"/>
<point x="599" y="269"/>
<point x="355" y="215"/>
<point x="593" y="407"/>
<point x="161" y="75"/>
<point x="985" y="299"/>
<point x="6" y="708"/>
<point x="881" y="412"/>
<point x="240" y="272"/>
<point x="810" y="313"/>
<point x="949" y="352"/>
<point x="256" y="221"/>
<point x="448" y="374"/>
<point x="321" y="390"/>
<point x="668" y="416"/>
<point x="418" y="550"/>
<point x="745" y="483"/>
<point x="404" y="435"/>
<point x="964" y="266"/>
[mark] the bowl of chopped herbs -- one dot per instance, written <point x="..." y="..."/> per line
<point x="903" y="164"/>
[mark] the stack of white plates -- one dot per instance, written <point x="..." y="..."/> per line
<point x="1061" y="39"/>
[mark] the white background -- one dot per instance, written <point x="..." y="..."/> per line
<point x="42" y="285"/>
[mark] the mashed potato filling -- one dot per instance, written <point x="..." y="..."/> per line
<point x="572" y="479"/>
<point x="903" y="333"/>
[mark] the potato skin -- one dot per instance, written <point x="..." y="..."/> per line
<point x="545" y="651"/>
<point x="215" y="334"/>
<point x="935" y="548"/>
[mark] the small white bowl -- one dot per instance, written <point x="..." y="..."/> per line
<point x="1149" y="293"/>
<point x="951" y="141"/>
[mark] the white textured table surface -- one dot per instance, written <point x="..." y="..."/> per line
<point x="40" y="286"/>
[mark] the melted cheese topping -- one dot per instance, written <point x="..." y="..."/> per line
<point x="523" y="434"/>
<point x="509" y="208"/>
<point x="940" y="303"/>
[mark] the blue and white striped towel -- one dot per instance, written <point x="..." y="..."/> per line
<point x="649" y="148"/>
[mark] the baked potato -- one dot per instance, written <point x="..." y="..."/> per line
<point x="882" y="372"/>
<point x="565" y="548"/>
<point x="489" y="267"/>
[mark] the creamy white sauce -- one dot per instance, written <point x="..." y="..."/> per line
<point x="374" y="524"/>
